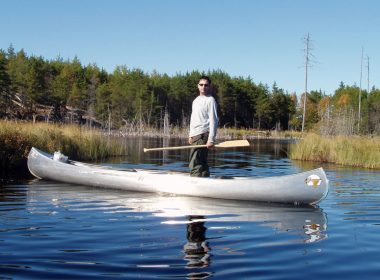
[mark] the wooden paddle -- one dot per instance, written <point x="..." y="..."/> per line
<point x="226" y="144"/>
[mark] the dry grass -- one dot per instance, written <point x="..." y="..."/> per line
<point x="344" y="150"/>
<point x="17" y="138"/>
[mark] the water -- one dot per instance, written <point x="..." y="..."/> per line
<point x="58" y="231"/>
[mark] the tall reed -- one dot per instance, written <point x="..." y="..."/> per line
<point x="344" y="150"/>
<point x="16" y="139"/>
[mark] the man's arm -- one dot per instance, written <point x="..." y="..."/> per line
<point x="213" y="116"/>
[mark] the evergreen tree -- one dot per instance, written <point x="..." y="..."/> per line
<point x="132" y="98"/>
<point x="5" y="84"/>
<point x="264" y="110"/>
<point x="18" y="69"/>
<point x="374" y="111"/>
<point x="159" y="86"/>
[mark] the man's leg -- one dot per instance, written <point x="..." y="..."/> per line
<point x="198" y="161"/>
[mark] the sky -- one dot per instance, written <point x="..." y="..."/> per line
<point x="263" y="40"/>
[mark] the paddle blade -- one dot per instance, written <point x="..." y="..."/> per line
<point x="234" y="143"/>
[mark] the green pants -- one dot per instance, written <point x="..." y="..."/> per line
<point x="198" y="159"/>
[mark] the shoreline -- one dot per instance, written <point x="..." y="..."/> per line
<point x="83" y="143"/>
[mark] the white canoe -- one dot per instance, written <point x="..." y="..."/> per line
<point x="308" y="187"/>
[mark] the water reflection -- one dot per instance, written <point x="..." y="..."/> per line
<point x="146" y="232"/>
<point x="197" y="250"/>
<point x="307" y="222"/>
<point x="12" y="195"/>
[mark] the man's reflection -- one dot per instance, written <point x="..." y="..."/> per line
<point x="197" y="251"/>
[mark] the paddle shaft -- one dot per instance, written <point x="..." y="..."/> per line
<point x="175" y="148"/>
<point x="226" y="144"/>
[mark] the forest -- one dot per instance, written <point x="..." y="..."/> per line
<point x="65" y="91"/>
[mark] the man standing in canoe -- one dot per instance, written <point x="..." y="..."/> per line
<point x="203" y="126"/>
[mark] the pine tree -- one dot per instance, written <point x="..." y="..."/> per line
<point x="5" y="84"/>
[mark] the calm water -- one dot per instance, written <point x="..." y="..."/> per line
<point x="59" y="231"/>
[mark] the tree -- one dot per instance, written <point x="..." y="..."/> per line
<point x="35" y="80"/>
<point x="308" y="56"/>
<point x="94" y="78"/>
<point x="223" y="93"/>
<point x="18" y="71"/>
<point x="295" y="119"/>
<point x="77" y="97"/>
<point x="281" y="104"/>
<point x="103" y="104"/>
<point x="5" y="84"/>
<point x="374" y="111"/>
<point x="244" y="95"/>
<point x="159" y="86"/>
<point x="264" y="110"/>
<point x="183" y="89"/>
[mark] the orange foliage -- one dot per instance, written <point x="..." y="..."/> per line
<point x="343" y="100"/>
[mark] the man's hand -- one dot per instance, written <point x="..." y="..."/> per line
<point x="190" y="141"/>
<point x="210" y="145"/>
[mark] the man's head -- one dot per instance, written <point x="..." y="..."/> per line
<point x="204" y="85"/>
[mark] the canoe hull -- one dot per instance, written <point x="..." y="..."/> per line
<point x="303" y="188"/>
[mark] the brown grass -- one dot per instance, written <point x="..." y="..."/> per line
<point x="17" y="138"/>
<point x="345" y="150"/>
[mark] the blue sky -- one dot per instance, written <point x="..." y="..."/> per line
<point x="249" y="38"/>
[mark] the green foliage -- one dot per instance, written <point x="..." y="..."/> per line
<point x="264" y="110"/>
<point x="18" y="70"/>
<point x="281" y="104"/>
<point x="223" y="88"/>
<point x="374" y="111"/>
<point x="5" y="84"/>
<point x="130" y="97"/>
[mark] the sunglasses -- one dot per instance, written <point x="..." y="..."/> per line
<point x="203" y="85"/>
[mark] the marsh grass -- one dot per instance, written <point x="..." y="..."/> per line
<point x="17" y="138"/>
<point x="80" y="143"/>
<point x="353" y="151"/>
<point x="236" y="133"/>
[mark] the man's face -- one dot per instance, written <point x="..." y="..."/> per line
<point x="203" y="87"/>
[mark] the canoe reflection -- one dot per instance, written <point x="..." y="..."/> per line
<point x="308" y="222"/>
<point x="201" y="218"/>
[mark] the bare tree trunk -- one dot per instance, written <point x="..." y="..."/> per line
<point x="360" y="92"/>
<point x="307" y="62"/>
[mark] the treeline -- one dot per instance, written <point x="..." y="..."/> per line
<point x="34" y="88"/>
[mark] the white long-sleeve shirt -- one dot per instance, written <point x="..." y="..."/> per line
<point x="204" y="117"/>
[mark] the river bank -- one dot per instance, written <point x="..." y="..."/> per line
<point x="82" y="143"/>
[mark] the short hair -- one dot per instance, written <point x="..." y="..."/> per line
<point x="205" y="78"/>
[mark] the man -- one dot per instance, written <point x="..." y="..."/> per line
<point x="203" y="126"/>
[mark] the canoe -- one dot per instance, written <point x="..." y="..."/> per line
<point x="308" y="187"/>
